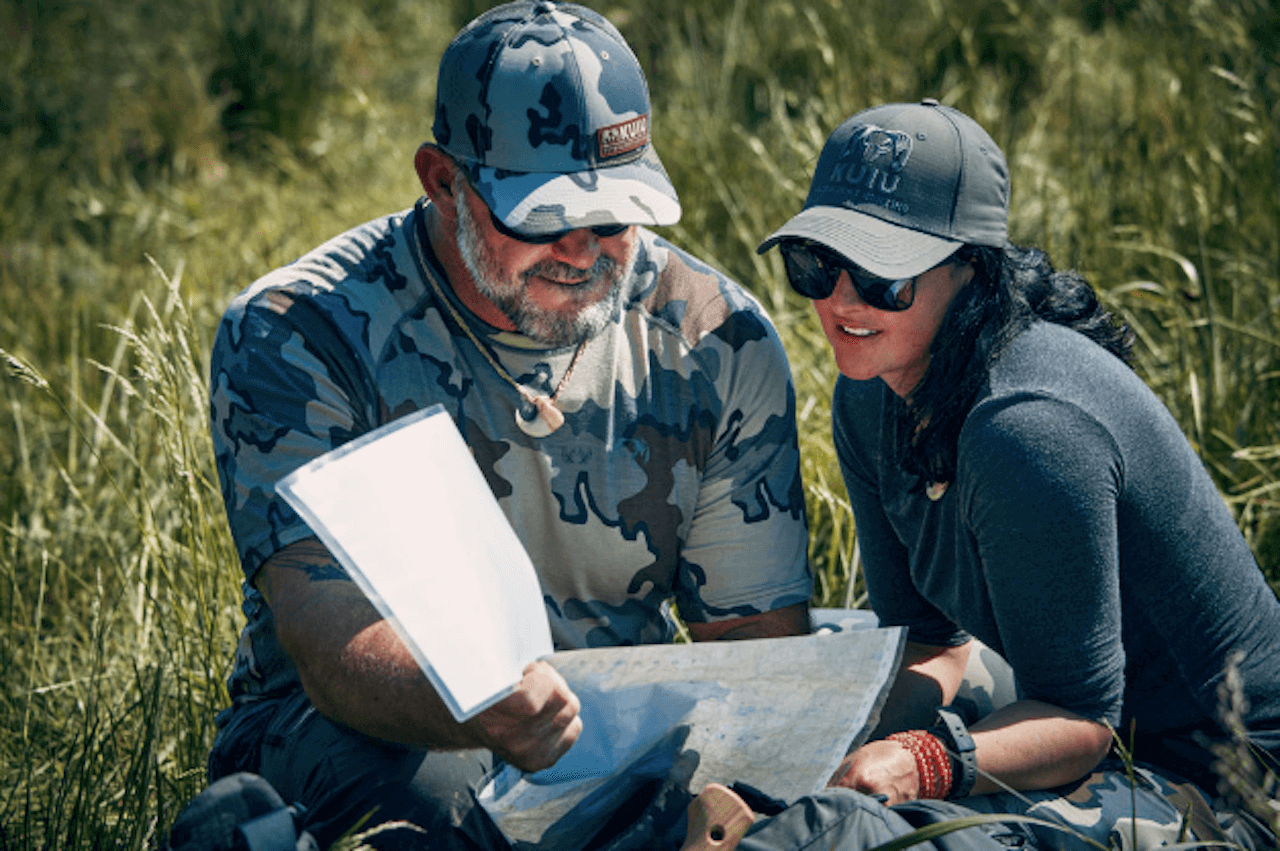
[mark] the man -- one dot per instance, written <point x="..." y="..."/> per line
<point x="630" y="407"/>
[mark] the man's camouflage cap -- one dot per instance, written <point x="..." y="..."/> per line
<point x="547" y="107"/>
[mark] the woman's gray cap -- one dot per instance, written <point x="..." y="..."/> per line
<point x="548" y="108"/>
<point x="898" y="188"/>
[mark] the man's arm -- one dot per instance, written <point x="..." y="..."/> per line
<point x="357" y="671"/>
<point x="789" y="620"/>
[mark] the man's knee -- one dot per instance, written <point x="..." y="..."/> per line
<point x="239" y="811"/>
<point x="347" y="781"/>
<point x="361" y="784"/>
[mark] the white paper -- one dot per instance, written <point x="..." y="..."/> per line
<point x="406" y="510"/>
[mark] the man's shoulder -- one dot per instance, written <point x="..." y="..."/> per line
<point x="694" y="298"/>
<point x="370" y="256"/>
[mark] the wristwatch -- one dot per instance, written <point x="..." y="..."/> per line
<point x="954" y="735"/>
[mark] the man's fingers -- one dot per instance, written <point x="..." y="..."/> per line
<point x="569" y="712"/>
<point x="551" y="691"/>
<point x="568" y="736"/>
<point x="533" y="750"/>
<point x="537" y="724"/>
<point x="542" y="693"/>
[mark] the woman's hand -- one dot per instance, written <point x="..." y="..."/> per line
<point x="1026" y="745"/>
<point x="883" y="768"/>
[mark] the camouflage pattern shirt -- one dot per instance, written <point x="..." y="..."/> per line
<point x="675" y="476"/>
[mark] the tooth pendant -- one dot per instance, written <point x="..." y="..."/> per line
<point x="935" y="490"/>
<point x="549" y="417"/>
<point x="548" y="412"/>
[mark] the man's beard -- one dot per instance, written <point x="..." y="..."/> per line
<point x="592" y="302"/>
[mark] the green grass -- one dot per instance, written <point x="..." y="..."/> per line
<point x="159" y="156"/>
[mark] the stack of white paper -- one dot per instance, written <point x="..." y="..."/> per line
<point x="406" y="510"/>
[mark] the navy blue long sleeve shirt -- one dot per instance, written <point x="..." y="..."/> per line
<point x="1082" y="538"/>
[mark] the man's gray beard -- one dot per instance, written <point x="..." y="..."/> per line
<point x="508" y="293"/>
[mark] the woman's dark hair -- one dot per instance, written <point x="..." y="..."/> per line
<point x="1011" y="287"/>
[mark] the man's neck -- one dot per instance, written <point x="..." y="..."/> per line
<point x="444" y="244"/>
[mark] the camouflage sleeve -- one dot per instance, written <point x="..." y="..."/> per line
<point x="747" y="547"/>
<point x="279" y="398"/>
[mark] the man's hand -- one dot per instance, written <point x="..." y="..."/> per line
<point x="880" y="768"/>
<point x="536" y="724"/>
<point x="357" y="670"/>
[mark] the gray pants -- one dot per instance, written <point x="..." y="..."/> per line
<point x="347" y="781"/>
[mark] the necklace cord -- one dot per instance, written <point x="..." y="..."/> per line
<point x="536" y="400"/>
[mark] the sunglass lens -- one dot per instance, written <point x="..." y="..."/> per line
<point x="874" y="291"/>
<point x="606" y="231"/>
<point x="528" y="238"/>
<point x="813" y="271"/>
<point x="807" y="273"/>
<point x="601" y="231"/>
<point x="883" y="293"/>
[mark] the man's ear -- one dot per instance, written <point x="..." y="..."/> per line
<point x="436" y="170"/>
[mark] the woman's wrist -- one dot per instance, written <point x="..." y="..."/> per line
<point x="954" y="736"/>
<point x="933" y="766"/>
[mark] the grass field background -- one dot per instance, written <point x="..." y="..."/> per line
<point x="158" y="155"/>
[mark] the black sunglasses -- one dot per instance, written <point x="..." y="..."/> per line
<point x="601" y="231"/>
<point x="813" y="270"/>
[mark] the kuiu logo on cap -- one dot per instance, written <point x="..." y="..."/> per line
<point x="874" y="159"/>
<point x="622" y="138"/>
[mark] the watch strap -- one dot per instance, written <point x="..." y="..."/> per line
<point x="953" y="733"/>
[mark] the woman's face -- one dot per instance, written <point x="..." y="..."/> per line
<point x="891" y="345"/>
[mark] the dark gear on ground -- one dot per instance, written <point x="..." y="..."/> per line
<point x="240" y="812"/>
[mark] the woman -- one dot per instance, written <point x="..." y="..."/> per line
<point x="1014" y="481"/>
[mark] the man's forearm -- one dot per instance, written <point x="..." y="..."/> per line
<point x="790" y="620"/>
<point x="353" y="665"/>
<point x="377" y="688"/>
<point x="357" y="671"/>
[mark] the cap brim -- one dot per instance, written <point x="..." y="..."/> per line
<point x="634" y="193"/>
<point x="882" y="248"/>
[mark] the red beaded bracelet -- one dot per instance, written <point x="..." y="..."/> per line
<point x="932" y="762"/>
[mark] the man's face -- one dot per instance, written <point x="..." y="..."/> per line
<point x="560" y="293"/>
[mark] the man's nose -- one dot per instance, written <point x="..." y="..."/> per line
<point x="578" y="248"/>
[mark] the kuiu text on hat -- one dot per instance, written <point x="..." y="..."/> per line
<point x="899" y="187"/>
